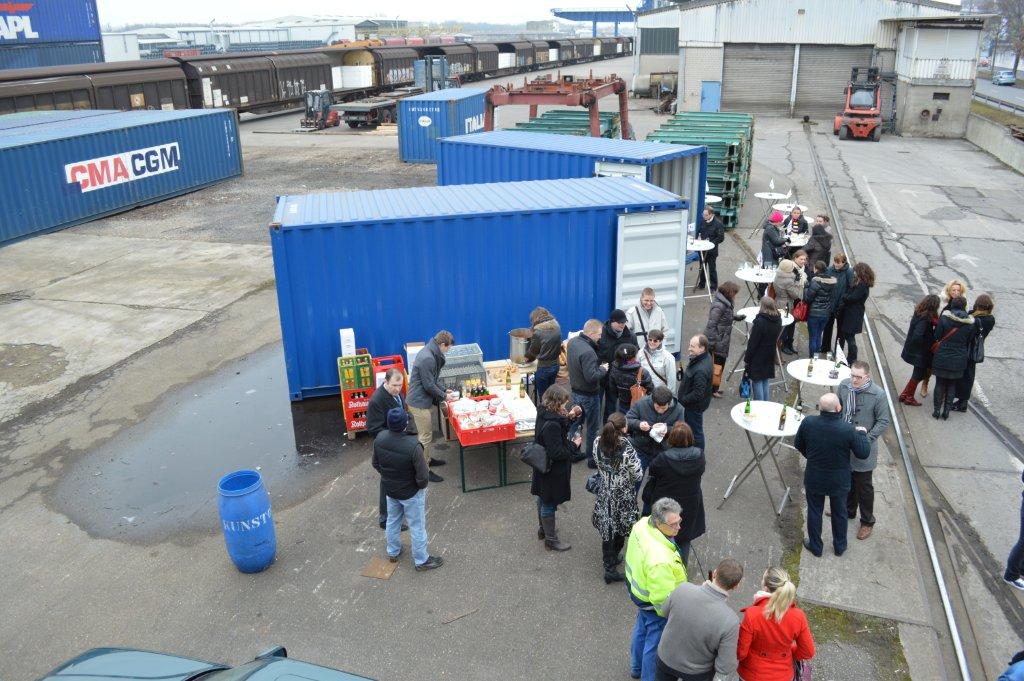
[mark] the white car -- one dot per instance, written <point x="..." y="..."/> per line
<point x="1004" y="78"/>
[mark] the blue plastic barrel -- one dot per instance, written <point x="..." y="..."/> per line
<point x="246" y="520"/>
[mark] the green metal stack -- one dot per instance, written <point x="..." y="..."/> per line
<point x="571" y="122"/>
<point x="729" y="138"/>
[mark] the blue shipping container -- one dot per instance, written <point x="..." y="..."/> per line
<point x="72" y="167"/>
<point x="425" y="118"/>
<point x="513" y="156"/>
<point x="398" y="265"/>
<point x="50" y="21"/>
<point x="49" y="54"/>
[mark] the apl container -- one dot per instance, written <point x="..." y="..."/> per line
<point x="247" y="521"/>
<point x="50" y="21"/>
<point x="60" y="169"/>
<point x="397" y="265"/>
<point x="424" y="118"/>
<point x="508" y="156"/>
<point x="36" y="55"/>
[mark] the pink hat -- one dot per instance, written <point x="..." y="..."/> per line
<point x="776" y="217"/>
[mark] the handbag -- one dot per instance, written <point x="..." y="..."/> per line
<point x="802" y="670"/>
<point x="536" y="457"/>
<point x="595" y="483"/>
<point x="937" y="344"/>
<point x="636" y="391"/>
<point x="745" y="386"/>
<point x="770" y="292"/>
<point x="978" y="349"/>
<point x="800" y="311"/>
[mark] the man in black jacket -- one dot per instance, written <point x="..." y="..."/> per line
<point x="587" y="375"/>
<point x="695" y="390"/>
<point x="712" y="229"/>
<point x="398" y="457"/>
<point x="827" y="441"/>
<point x="615" y="333"/>
<point x="384" y="399"/>
<point x="658" y="407"/>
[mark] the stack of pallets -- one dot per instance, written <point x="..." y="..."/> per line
<point x="571" y="122"/>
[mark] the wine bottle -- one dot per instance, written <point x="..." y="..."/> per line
<point x="810" y="367"/>
<point x="747" y="413"/>
<point x="522" y="387"/>
<point x="782" y="419"/>
<point x="508" y="379"/>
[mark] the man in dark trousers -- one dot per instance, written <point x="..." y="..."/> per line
<point x="615" y="333"/>
<point x="586" y="381"/>
<point x="826" y="441"/>
<point x="384" y="399"/>
<point x="695" y="390"/>
<point x="425" y="390"/>
<point x="711" y="229"/>
<point x="865" y="406"/>
<point x="398" y="457"/>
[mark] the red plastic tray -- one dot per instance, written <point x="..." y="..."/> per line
<point x="485" y="435"/>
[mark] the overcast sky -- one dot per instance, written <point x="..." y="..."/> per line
<point x="118" y="12"/>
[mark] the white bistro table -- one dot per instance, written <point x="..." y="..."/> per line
<point x="751" y="276"/>
<point x="766" y="202"/>
<point x="711" y="198"/>
<point x="764" y="422"/>
<point x="700" y="246"/>
<point x="748" y="314"/>
<point x="799" y="240"/>
<point x="788" y="207"/>
<point x="820" y="374"/>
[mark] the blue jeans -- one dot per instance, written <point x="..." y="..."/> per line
<point x="546" y="510"/>
<point x="1015" y="563"/>
<point x="543" y="379"/>
<point x="760" y="389"/>
<point x="815" y="507"/>
<point x="815" y="327"/>
<point x="414" y="510"/>
<point x="591" y="405"/>
<point x="644" y="648"/>
<point x="695" y="419"/>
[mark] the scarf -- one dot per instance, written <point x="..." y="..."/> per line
<point x="851" y="402"/>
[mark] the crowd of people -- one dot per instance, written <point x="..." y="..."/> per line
<point x="635" y="414"/>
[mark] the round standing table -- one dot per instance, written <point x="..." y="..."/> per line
<point x="711" y="198"/>
<point x="788" y="207"/>
<point x="766" y="202"/>
<point x="765" y="422"/>
<point x="700" y="246"/>
<point x="819" y="374"/>
<point x="754" y="275"/>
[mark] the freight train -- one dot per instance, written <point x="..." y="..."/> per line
<point x="266" y="81"/>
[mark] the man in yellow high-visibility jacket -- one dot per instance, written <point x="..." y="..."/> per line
<point x="653" y="570"/>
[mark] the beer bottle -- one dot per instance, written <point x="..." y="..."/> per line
<point x="810" y="366"/>
<point x="522" y="387"/>
<point x="747" y="413"/>
<point x="782" y="419"/>
<point x="508" y="379"/>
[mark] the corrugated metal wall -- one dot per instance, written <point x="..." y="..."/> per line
<point x="757" y="78"/>
<point x="425" y="118"/>
<point x="49" y="54"/>
<point x="66" y="161"/>
<point x="477" y="274"/>
<point x="822" y="75"/>
<point x="659" y="41"/>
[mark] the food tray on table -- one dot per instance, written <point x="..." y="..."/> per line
<point x="484" y="434"/>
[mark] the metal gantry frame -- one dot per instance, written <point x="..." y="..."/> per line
<point x="564" y="91"/>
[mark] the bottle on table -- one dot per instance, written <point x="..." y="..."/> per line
<point x="810" y="367"/>
<point x="522" y="387"/>
<point x="508" y="379"/>
<point x="782" y="419"/>
<point x="747" y="411"/>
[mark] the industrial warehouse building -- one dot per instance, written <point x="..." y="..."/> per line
<point x="793" y="57"/>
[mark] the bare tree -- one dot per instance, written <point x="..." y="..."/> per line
<point x="1009" y="29"/>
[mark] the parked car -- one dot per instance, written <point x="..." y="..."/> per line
<point x="1004" y="78"/>
<point x="123" y="664"/>
<point x="983" y="61"/>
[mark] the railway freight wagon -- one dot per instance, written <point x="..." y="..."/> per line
<point x="541" y="52"/>
<point x="374" y="67"/>
<point x="231" y="80"/>
<point x="462" y="59"/>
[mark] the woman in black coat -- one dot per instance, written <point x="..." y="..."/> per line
<point x="676" y="473"/>
<point x="984" y="322"/>
<point x="761" y="351"/>
<point x="623" y="375"/>
<point x="917" y="347"/>
<point x="554" y="487"/>
<point x="853" y="303"/>
<point x="954" y="334"/>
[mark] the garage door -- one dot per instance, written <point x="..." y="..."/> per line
<point x="822" y="76"/>
<point x="757" y="78"/>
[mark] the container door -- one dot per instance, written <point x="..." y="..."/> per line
<point x="651" y="252"/>
<point x="611" y="169"/>
<point x="710" y="95"/>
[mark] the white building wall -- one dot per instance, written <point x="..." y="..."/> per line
<point x="121" y="47"/>
<point x="699" y="64"/>
<point x="937" y="53"/>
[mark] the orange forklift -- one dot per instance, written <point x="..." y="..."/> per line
<point x="862" y="116"/>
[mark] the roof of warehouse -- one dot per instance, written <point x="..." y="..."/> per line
<point x="696" y="4"/>
<point x="63" y="125"/>
<point x="387" y="205"/>
<point x="617" y="149"/>
<point x="446" y="95"/>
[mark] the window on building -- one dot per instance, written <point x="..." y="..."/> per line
<point x="940" y="96"/>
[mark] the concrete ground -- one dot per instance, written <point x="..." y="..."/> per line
<point x="140" y="357"/>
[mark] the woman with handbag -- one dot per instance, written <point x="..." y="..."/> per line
<point x="853" y="305"/>
<point x="775" y="639"/>
<point x="984" y="323"/>
<point x="761" y="348"/>
<point x="917" y="348"/>
<point x="614" y="486"/>
<point x="553" y="486"/>
<point x="719" y="330"/>
<point x="629" y="380"/>
<point x="790" y="280"/>
<point x="676" y="473"/>
<point x="954" y="288"/>
<point x="953" y="337"/>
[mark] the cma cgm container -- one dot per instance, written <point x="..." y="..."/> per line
<point x="510" y="156"/>
<point x="65" y="167"/>
<point x="425" y="118"/>
<point x="397" y="265"/>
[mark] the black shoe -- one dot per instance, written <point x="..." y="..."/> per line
<point x="436" y="462"/>
<point x="394" y="559"/>
<point x="959" y="406"/>
<point x="700" y="286"/>
<point x="431" y="563"/>
<point x="787" y="350"/>
<point x="434" y="477"/>
<point x="936" y="414"/>
<point x="945" y="413"/>
<point x="838" y="552"/>
<point x="612" y="576"/>
<point x="807" y="545"/>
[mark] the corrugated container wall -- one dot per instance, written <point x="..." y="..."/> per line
<point x="513" y="156"/>
<point x="50" y="21"/>
<point x="425" y="118"/>
<point x="398" y="265"/>
<point x="49" y="54"/>
<point x="63" y="168"/>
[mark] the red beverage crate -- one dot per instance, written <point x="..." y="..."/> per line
<point x="382" y="364"/>
<point x="484" y="435"/>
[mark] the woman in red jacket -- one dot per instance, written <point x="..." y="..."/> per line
<point x="774" y="633"/>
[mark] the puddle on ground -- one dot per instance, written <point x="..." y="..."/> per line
<point x="158" y="479"/>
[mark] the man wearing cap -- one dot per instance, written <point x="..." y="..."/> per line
<point x="398" y="457"/>
<point x="615" y="333"/>
<point x="773" y="245"/>
<point x="384" y="399"/>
